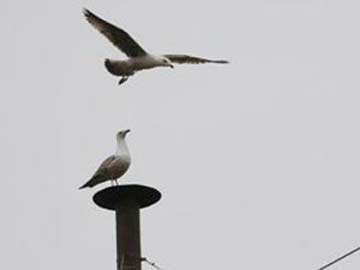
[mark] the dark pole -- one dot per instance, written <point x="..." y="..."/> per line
<point x="126" y="201"/>
<point x="128" y="235"/>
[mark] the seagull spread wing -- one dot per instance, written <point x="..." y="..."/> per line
<point x="187" y="59"/>
<point x="117" y="36"/>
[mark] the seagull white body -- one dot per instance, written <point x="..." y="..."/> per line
<point x="139" y="59"/>
<point x="114" y="166"/>
<point x="130" y="66"/>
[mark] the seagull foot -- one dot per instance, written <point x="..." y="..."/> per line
<point x="123" y="79"/>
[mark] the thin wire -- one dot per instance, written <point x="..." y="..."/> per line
<point x="151" y="263"/>
<point x="340" y="258"/>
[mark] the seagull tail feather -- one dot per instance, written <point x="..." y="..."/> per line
<point x="110" y="67"/>
<point x="89" y="184"/>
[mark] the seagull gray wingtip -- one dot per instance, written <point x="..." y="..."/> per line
<point x="221" y="61"/>
<point x="85" y="11"/>
<point x="84" y="186"/>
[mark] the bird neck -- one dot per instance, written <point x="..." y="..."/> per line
<point x="122" y="149"/>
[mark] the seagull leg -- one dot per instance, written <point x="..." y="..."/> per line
<point x="116" y="182"/>
<point x="123" y="79"/>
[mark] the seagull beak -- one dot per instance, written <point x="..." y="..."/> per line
<point x="126" y="131"/>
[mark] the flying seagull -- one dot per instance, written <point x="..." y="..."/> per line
<point x="114" y="166"/>
<point x="138" y="59"/>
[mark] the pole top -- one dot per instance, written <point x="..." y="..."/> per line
<point x="112" y="197"/>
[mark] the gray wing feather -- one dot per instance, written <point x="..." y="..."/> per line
<point x="105" y="172"/>
<point x="104" y="166"/>
<point x="188" y="59"/>
<point x="101" y="174"/>
<point x="115" y="35"/>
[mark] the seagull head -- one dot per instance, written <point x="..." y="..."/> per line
<point x="122" y="134"/>
<point x="165" y="62"/>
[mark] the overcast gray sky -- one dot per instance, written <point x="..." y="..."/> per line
<point x="258" y="161"/>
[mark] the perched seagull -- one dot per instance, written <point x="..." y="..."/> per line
<point x="114" y="166"/>
<point x="138" y="59"/>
